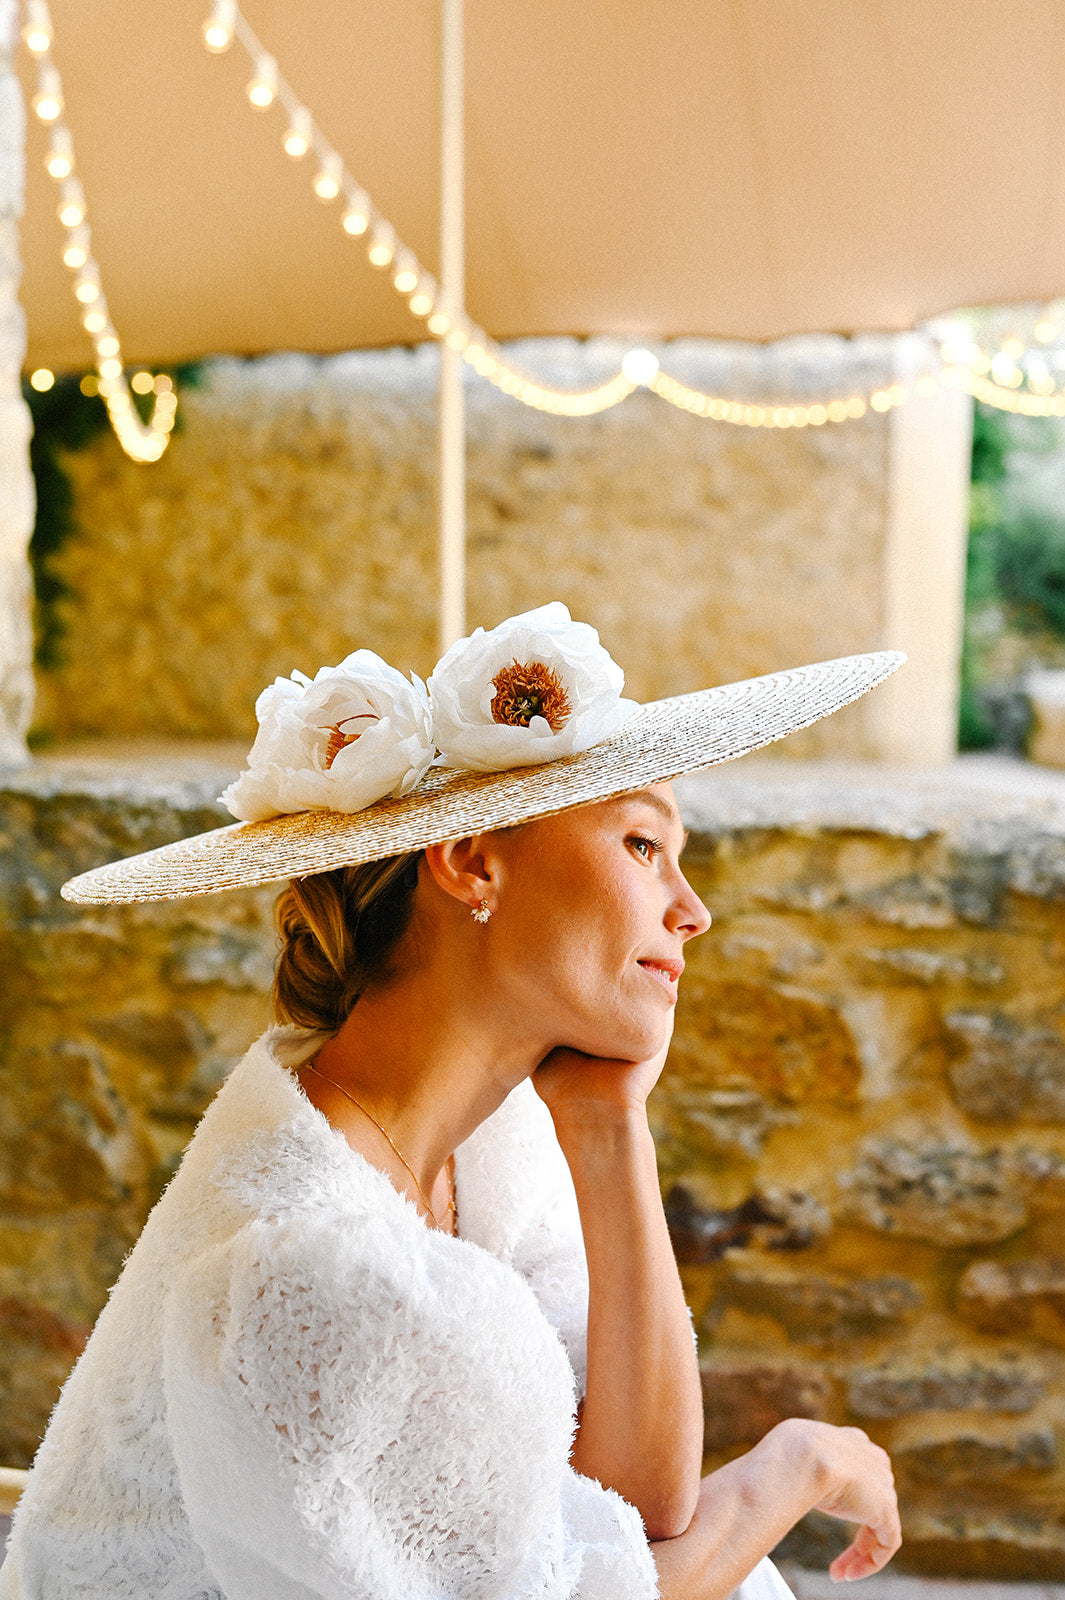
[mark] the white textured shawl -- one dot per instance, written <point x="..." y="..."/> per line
<point x="298" y="1390"/>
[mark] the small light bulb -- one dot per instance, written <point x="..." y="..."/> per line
<point x="107" y="346"/>
<point x="300" y="131"/>
<point x="37" y="31"/>
<point x="94" y="322"/>
<point x="327" y="181"/>
<point x="163" y="384"/>
<point x="355" y="221"/>
<point x="263" y="87"/>
<point x="218" y="29"/>
<point x="48" y="101"/>
<point x="111" y="368"/>
<point x="72" y="212"/>
<point x="89" y="385"/>
<point x="439" y="324"/>
<point x="87" y="291"/>
<point x="405" y="277"/>
<point x="42" y="380"/>
<point x="1003" y="369"/>
<point x="1046" y="330"/>
<point x="74" y="256"/>
<point x="60" y="159"/>
<point x="382" y="246"/>
<point x="421" y="303"/>
<point x="141" y="383"/>
<point x="640" y="366"/>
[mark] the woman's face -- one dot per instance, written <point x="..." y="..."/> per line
<point x="591" y="915"/>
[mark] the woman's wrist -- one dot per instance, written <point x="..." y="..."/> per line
<point x="596" y="1131"/>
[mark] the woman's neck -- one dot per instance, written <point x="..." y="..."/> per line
<point x="427" y="1065"/>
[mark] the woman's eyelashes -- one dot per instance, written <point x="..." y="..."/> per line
<point x="645" y="845"/>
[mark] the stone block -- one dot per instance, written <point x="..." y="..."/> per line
<point x="1046" y="737"/>
<point x="236" y="960"/>
<point x="726" y="1122"/>
<point x="1005" y="1071"/>
<point x="37" y="1351"/>
<point x="1040" y="1175"/>
<point x="1025" y="1545"/>
<point x="900" y="1386"/>
<point x="1016" y="1297"/>
<point x="948" y="1456"/>
<point x="819" y="1308"/>
<point x="787" y="1044"/>
<point x="85" y="1145"/>
<point x="920" y="964"/>
<point x="745" y="1396"/>
<point x="772" y="1219"/>
<point x="935" y="1189"/>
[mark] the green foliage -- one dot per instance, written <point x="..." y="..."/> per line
<point x="990" y="445"/>
<point x="65" y="419"/>
<point x="1030" y="568"/>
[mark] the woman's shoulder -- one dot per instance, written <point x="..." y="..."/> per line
<point x="263" y="1145"/>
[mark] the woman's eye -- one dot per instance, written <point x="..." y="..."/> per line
<point x="648" y="848"/>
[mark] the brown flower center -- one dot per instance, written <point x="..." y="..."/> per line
<point x="338" y="739"/>
<point x="529" y="689"/>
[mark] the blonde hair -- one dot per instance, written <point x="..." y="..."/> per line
<point x="338" y="932"/>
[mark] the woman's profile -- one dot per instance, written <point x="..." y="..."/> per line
<point x="406" y="1324"/>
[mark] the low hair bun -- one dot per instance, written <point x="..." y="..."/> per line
<point x="338" y="932"/>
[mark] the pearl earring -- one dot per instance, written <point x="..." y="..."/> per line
<point x="482" y="912"/>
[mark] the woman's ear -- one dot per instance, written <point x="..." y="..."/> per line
<point x="466" y="869"/>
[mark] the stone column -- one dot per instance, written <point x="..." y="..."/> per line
<point x="16" y="480"/>
<point x="913" y="718"/>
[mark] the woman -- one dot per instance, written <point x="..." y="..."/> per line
<point x="407" y="1323"/>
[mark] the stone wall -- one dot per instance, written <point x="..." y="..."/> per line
<point x="861" y="1123"/>
<point x="16" y="500"/>
<point x="293" y="518"/>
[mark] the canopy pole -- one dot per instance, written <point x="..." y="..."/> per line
<point x="452" y="424"/>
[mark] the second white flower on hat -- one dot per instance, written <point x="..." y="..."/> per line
<point x="337" y="742"/>
<point x="537" y="687"/>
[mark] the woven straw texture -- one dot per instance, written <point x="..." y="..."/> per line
<point x="660" y="741"/>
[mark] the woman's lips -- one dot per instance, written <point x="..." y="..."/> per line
<point x="666" y="972"/>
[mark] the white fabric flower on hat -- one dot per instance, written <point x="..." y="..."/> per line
<point x="537" y="687"/>
<point x="337" y="742"/>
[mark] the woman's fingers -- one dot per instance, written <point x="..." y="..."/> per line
<point x="870" y="1550"/>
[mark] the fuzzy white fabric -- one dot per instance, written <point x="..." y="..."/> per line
<point x="299" y="1392"/>
<point x="297" y="1389"/>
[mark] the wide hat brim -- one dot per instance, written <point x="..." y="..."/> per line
<point x="661" y="741"/>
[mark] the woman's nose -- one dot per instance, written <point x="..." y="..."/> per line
<point x="690" y="915"/>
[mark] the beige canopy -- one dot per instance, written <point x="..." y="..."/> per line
<point x="647" y="168"/>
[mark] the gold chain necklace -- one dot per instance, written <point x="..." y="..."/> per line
<point x="451" y="1206"/>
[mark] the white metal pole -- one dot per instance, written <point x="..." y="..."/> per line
<point x="452" y="445"/>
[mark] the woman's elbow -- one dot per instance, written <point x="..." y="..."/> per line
<point x="667" y="1516"/>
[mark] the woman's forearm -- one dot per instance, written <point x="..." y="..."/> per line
<point x="641" y="1429"/>
<point x="745" y="1508"/>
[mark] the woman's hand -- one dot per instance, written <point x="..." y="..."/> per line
<point x="576" y="1087"/>
<point x="745" y="1508"/>
<point x="862" y="1490"/>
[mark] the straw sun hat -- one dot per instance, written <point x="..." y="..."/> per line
<point x="521" y="722"/>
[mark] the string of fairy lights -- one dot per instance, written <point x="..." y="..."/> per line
<point x="1015" y="377"/>
<point x="142" y="441"/>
